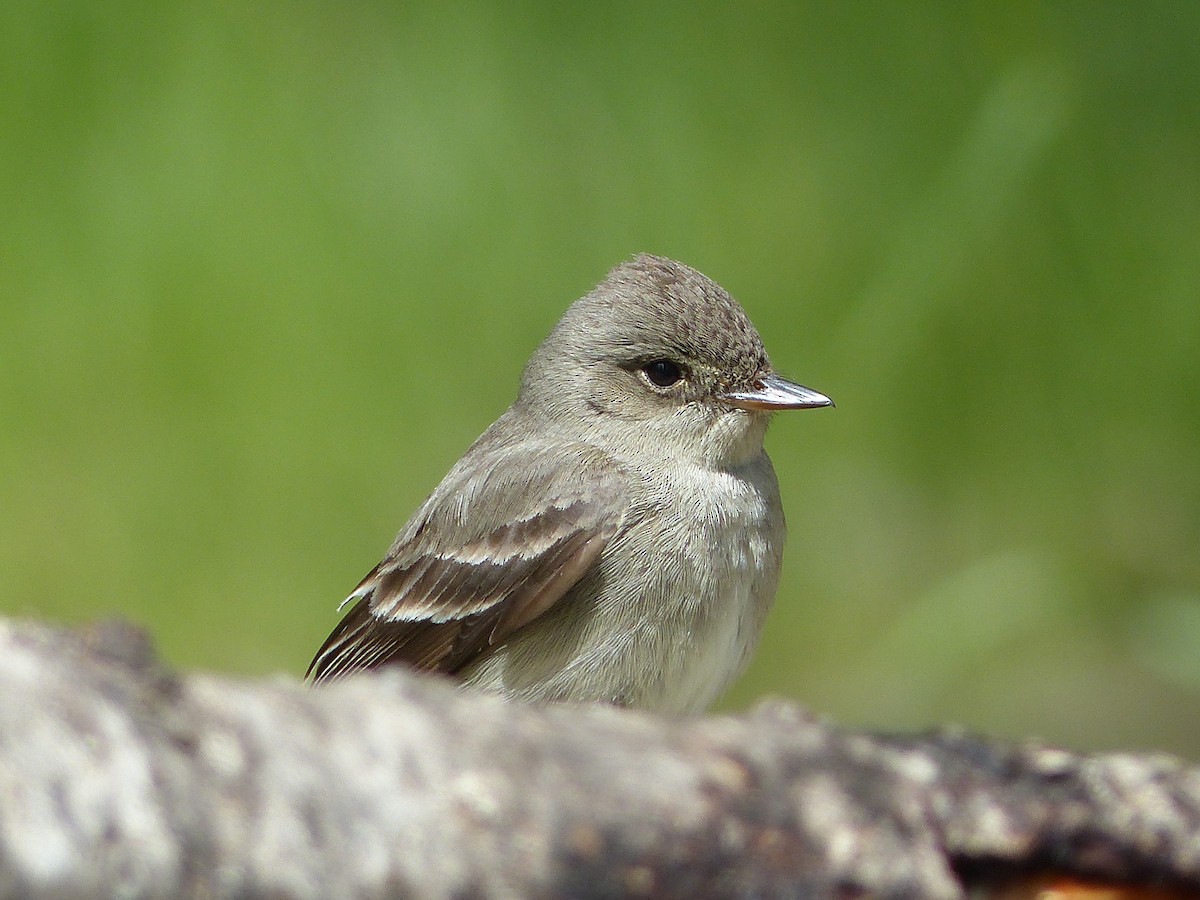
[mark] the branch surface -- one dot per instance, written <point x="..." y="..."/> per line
<point x="121" y="778"/>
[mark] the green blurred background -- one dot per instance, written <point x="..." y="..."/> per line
<point x="266" y="270"/>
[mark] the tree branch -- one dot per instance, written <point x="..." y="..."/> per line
<point x="120" y="778"/>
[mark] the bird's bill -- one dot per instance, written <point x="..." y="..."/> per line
<point x="772" y="392"/>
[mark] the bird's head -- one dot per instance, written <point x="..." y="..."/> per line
<point x="660" y="356"/>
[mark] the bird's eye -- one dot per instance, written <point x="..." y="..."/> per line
<point x="663" y="372"/>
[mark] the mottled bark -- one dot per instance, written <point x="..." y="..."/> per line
<point x="120" y="778"/>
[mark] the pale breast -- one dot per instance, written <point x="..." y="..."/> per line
<point x="674" y="608"/>
<point x="730" y="570"/>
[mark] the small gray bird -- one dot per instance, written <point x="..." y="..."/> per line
<point x="616" y="534"/>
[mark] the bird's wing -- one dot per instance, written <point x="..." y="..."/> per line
<point x="499" y="542"/>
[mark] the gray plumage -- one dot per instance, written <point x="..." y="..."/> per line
<point x="616" y="534"/>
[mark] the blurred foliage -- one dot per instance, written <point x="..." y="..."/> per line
<point x="267" y="269"/>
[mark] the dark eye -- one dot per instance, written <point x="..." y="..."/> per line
<point x="663" y="372"/>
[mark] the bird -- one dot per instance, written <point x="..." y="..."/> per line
<point x="616" y="535"/>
